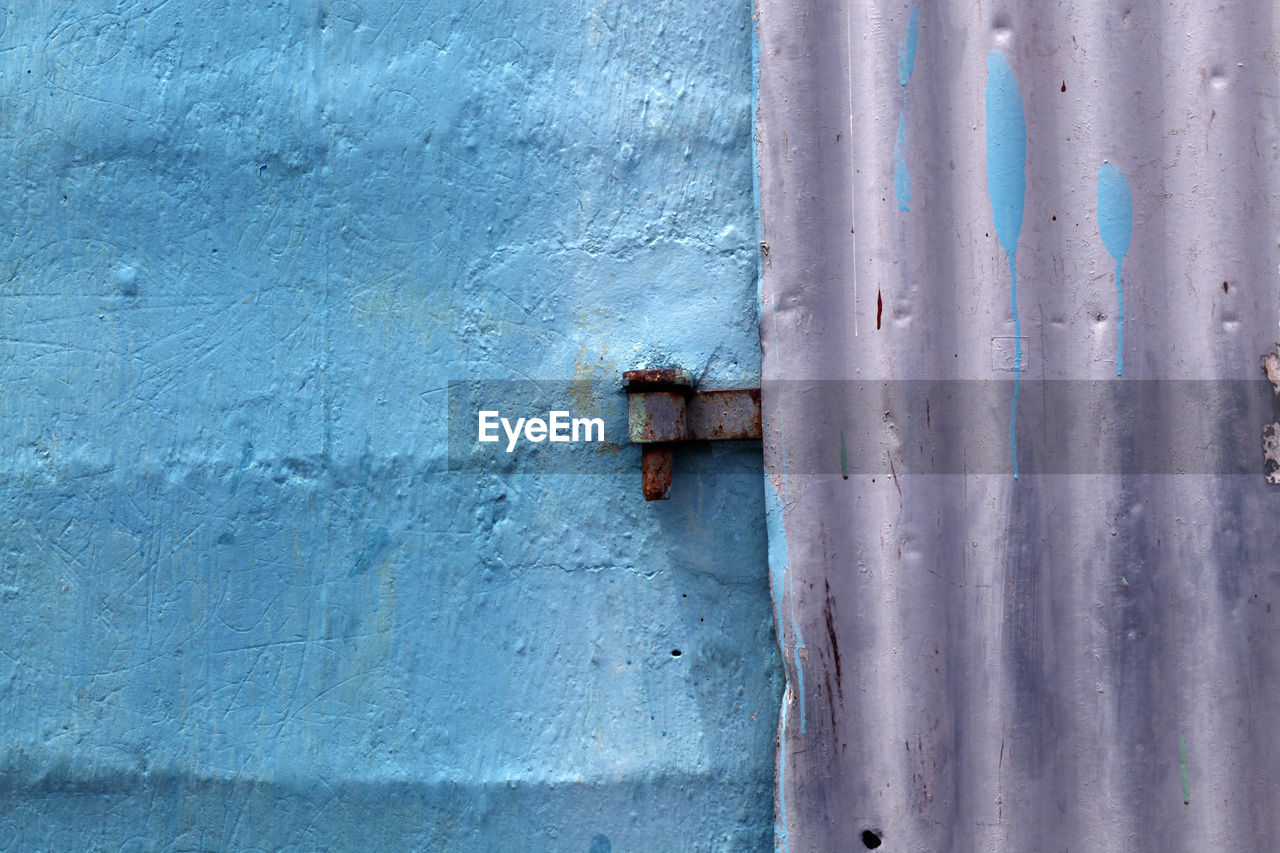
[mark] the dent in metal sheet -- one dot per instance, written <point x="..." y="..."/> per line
<point x="1115" y="224"/>
<point x="1007" y="189"/>
<point x="789" y="583"/>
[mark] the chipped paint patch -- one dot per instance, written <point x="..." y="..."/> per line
<point x="1271" y="453"/>
<point x="1271" y="432"/>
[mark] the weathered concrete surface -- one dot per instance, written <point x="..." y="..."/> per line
<point x="245" y="604"/>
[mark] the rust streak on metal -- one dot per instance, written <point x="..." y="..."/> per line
<point x="657" y="416"/>
<point x="658" y="379"/>
<point x="726" y="415"/>
<point x="655" y="473"/>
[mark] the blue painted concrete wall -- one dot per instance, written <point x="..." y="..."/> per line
<point x="246" y="605"/>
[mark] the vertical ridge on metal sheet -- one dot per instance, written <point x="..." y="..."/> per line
<point x="1086" y="656"/>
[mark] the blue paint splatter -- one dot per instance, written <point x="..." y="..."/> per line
<point x="377" y="542"/>
<point x="1007" y="189"/>
<point x="1115" y="224"/>
<point x="901" y="180"/>
<point x="907" y="53"/>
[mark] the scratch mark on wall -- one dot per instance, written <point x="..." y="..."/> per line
<point x="246" y="456"/>
<point x="853" y="191"/>
<point x="374" y="546"/>
<point x="1182" y="769"/>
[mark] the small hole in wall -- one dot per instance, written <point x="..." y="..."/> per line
<point x="870" y="839"/>
<point x="675" y="653"/>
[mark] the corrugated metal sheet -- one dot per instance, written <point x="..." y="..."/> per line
<point x="1078" y="660"/>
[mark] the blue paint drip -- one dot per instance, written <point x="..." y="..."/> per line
<point x="1007" y="189"/>
<point x="1115" y="225"/>
<point x="1006" y="151"/>
<point x="906" y="65"/>
<point x="907" y="53"/>
<point x="901" y="179"/>
<point x="774" y="506"/>
<point x="1017" y="362"/>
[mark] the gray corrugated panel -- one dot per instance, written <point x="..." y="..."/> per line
<point x="1077" y="660"/>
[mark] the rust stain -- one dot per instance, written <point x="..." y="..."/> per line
<point x="581" y="388"/>
<point x="655" y="473"/>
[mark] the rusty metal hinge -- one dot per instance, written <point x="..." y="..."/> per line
<point x="664" y="408"/>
